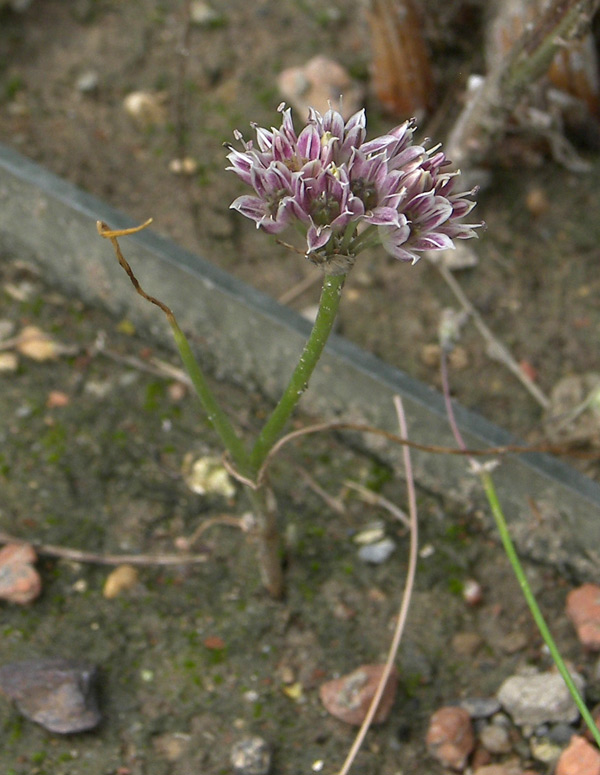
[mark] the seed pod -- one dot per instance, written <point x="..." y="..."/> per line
<point x="401" y="68"/>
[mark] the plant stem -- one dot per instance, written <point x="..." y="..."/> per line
<point x="266" y="535"/>
<point x="511" y="553"/>
<point x="216" y="416"/>
<point x="328" y="307"/>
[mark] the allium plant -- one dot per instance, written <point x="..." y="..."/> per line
<point x="345" y="194"/>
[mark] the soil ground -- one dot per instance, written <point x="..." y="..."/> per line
<point x="104" y="474"/>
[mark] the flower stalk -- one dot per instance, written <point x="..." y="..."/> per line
<point x="511" y="553"/>
<point x="538" y="617"/>
<point x="328" y="307"/>
<point x="344" y="194"/>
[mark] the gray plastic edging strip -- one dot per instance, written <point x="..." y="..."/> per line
<point x="246" y="337"/>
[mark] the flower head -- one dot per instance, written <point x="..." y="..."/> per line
<point x="348" y="193"/>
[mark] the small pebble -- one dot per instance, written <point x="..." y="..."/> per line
<point x="513" y="642"/>
<point x="349" y="697"/>
<point x="561" y="733"/>
<point x="579" y="758"/>
<point x="146" y="109"/>
<point x="87" y="82"/>
<point x="499" y="769"/>
<point x="7" y="328"/>
<point x="36" y="344"/>
<point x="466" y="643"/>
<point x="544" y="750"/>
<point x="121" y="579"/>
<point x="583" y="609"/>
<point x="495" y="739"/>
<point x="370" y="534"/>
<point x="450" y="738"/>
<point x="20" y="583"/>
<point x="58" y="694"/>
<point x="377" y="553"/>
<point x="57" y="398"/>
<point x="251" y="756"/>
<point x="9" y="362"/>
<point x="480" y="707"/>
<point x="472" y="592"/>
<point x="537" y="202"/>
<point x="172" y="745"/>
<point x="535" y="698"/>
<point x="203" y="15"/>
<point x="319" y="83"/>
<point x="185" y="166"/>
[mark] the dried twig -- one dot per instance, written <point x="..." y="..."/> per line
<point x="298" y="289"/>
<point x="557" y="449"/>
<point x="375" y="499"/>
<point x="242" y="523"/>
<point x="76" y="555"/>
<point x="495" y="348"/>
<point x="334" y="503"/>
<point x="406" y="596"/>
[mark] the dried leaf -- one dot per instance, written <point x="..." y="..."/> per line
<point x="401" y="68"/>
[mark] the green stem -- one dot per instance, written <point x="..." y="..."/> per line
<point x="328" y="307"/>
<point x="216" y="416"/>
<point x="511" y="553"/>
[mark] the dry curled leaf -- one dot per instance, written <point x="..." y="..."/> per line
<point x="402" y="77"/>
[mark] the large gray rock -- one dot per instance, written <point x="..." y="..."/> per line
<point x="59" y="694"/>
<point x="536" y="698"/>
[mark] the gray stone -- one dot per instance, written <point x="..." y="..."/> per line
<point x="377" y="553"/>
<point x="59" y="694"/>
<point x="561" y="733"/>
<point x="480" y="707"/>
<point x="251" y="756"/>
<point x="495" y="739"/>
<point x="537" y="698"/>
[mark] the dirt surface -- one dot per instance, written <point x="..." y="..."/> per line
<point x="194" y="658"/>
<point x="103" y="473"/>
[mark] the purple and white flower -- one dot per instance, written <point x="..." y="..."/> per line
<point x="347" y="193"/>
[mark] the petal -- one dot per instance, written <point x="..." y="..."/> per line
<point x="461" y="207"/>
<point x="440" y="212"/>
<point x="407" y="159"/>
<point x="378" y="145"/>
<point x="334" y="123"/>
<point x="241" y="164"/>
<point x="287" y="126"/>
<point x="264" y="138"/>
<point x="283" y="150"/>
<point x="317" y="237"/>
<point x="392" y="239"/>
<point x="433" y="241"/>
<point x="357" y="121"/>
<point x="309" y="143"/>
<point x="383" y="216"/>
<point x="250" y="206"/>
